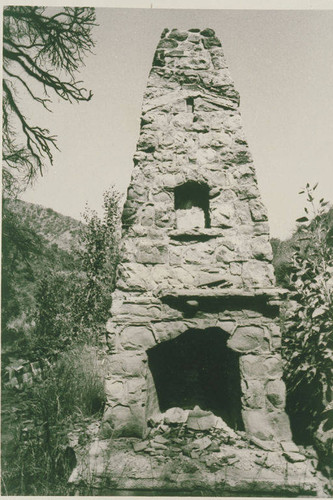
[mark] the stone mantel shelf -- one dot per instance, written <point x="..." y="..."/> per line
<point x="183" y="293"/>
<point x="198" y="234"/>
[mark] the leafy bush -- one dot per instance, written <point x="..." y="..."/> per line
<point x="37" y="459"/>
<point x="307" y="342"/>
<point x="99" y="257"/>
<point x="74" y="306"/>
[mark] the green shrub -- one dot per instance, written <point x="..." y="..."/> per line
<point x="307" y="342"/>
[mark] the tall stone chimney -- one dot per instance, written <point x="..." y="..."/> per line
<point x="194" y="318"/>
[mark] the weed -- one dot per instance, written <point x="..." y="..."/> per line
<point x="37" y="459"/>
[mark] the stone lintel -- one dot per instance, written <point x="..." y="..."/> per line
<point x="198" y="234"/>
<point x="267" y="294"/>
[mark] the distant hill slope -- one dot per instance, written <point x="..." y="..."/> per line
<point x="36" y="241"/>
<point x="55" y="228"/>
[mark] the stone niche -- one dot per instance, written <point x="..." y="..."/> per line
<point x="194" y="317"/>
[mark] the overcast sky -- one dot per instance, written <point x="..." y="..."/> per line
<point x="282" y="65"/>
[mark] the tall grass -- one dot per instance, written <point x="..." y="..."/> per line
<point x="37" y="459"/>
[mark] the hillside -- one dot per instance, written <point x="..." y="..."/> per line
<point x="55" y="228"/>
<point x="36" y="241"/>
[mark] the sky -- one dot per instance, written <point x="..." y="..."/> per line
<point x="282" y="66"/>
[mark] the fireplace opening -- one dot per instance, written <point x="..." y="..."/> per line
<point x="192" y="205"/>
<point x="197" y="368"/>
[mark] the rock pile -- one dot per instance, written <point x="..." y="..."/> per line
<point x="196" y="434"/>
<point x="194" y="450"/>
<point x="201" y="435"/>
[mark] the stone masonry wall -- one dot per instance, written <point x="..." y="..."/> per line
<point x="210" y="255"/>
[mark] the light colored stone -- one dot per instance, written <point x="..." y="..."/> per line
<point x="253" y="394"/>
<point x="276" y="393"/>
<point x="140" y="446"/>
<point x="264" y="445"/>
<point x="176" y="416"/>
<point x="248" y="339"/>
<point x="125" y="420"/>
<point x="200" y="420"/>
<point x="136" y="338"/>
<point x="280" y="423"/>
<point x="222" y="426"/>
<point x="202" y="443"/>
<point x="294" y="457"/>
<point x="289" y="446"/>
<point x="257" y="424"/>
<point x="260" y="366"/>
<point x="160" y="439"/>
<point x="126" y="364"/>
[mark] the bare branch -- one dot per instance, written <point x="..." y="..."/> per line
<point x="36" y="98"/>
<point x="40" y="48"/>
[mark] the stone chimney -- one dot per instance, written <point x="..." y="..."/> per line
<point x="194" y="318"/>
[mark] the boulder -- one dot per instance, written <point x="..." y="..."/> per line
<point x="176" y="416"/>
<point x="200" y="420"/>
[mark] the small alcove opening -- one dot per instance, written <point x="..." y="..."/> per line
<point x="190" y="105"/>
<point x="192" y="206"/>
<point x="197" y="368"/>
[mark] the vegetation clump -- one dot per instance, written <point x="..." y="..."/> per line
<point x="37" y="458"/>
<point x="307" y="340"/>
<point x="71" y="309"/>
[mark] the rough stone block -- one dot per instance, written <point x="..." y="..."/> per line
<point x="256" y="423"/>
<point x="211" y="42"/>
<point x="276" y="393"/>
<point x="258" y="274"/>
<point x="127" y="364"/>
<point x="164" y="218"/>
<point x="147" y="216"/>
<point x="176" y="416"/>
<point x="126" y="420"/>
<point x="235" y="268"/>
<point x="175" y="255"/>
<point x="260" y="366"/>
<point x="194" y="38"/>
<point x="151" y="253"/>
<point x="178" y="35"/>
<point x="169" y="330"/>
<point x="167" y="43"/>
<point x="132" y="276"/>
<point x="281" y="426"/>
<point x="137" y="338"/>
<point x="261" y="248"/>
<point x="249" y="339"/>
<point x="223" y="254"/>
<point x="227" y="326"/>
<point x="207" y="32"/>
<point x="258" y="211"/>
<point x="141" y="312"/>
<point x="253" y="394"/>
<point x="115" y="390"/>
<point x="105" y="430"/>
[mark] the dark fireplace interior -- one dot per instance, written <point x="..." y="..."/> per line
<point x="197" y="368"/>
